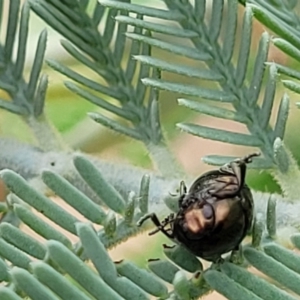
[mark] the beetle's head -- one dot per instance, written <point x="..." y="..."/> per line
<point x="203" y="217"/>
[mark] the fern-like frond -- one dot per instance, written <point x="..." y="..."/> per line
<point x="36" y="267"/>
<point x="19" y="248"/>
<point x="26" y="98"/>
<point x="75" y="24"/>
<point x="114" y="88"/>
<point x="279" y="16"/>
<point x="215" y="49"/>
<point x="282" y="19"/>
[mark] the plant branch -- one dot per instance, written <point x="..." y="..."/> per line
<point x="140" y="114"/>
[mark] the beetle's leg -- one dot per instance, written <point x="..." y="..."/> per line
<point x="160" y="226"/>
<point x="245" y="160"/>
<point x="232" y="184"/>
<point x="180" y="201"/>
<point x="228" y="168"/>
<point x="151" y="216"/>
<point x="248" y="158"/>
<point x="238" y="168"/>
<point x="168" y="232"/>
<point x="182" y="193"/>
<point x="182" y="188"/>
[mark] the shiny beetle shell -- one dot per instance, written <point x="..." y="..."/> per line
<point x="214" y="215"/>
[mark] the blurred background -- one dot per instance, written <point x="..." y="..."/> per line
<point x="68" y="112"/>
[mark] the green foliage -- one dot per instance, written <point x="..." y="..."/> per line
<point x="125" y="86"/>
<point x="217" y="56"/>
<point x="122" y="279"/>
<point x="26" y="98"/>
<point x="91" y="48"/>
<point x="282" y="19"/>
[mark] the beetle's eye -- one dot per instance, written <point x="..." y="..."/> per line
<point x="207" y="211"/>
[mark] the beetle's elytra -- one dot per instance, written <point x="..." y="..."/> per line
<point x="214" y="215"/>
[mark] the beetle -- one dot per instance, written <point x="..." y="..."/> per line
<point x="214" y="215"/>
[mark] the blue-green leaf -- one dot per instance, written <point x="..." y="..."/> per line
<point x="230" y="35"/>
<point x="216" y="20"/>
<point x="274" y="269"/>
<point x="74" y="197"/>
<point x="287" y="257"/>
<point x="30" y="285"/>
<point x="11" y="28"/>
<point x="244" y="49"/>
<point x="22" y="241"/>
<point x="267" y="105"/>
<point x="56" y="282"/>
<point x="282" y="116"/>
<point x="54" y="212"/>
<point x="40" y="226"/>
<point x="183" y="258"/>
<point x="23" y="35"/>
<point x="144" y="10"/>
<point x="80" y="272"/>
<point x="220" y="135"/>
<point x="259" y="68"/>
<point x="98" y="183"/>
<point x="116" y="126"/>
<point x="214" y="111"/>
<point x="192" y="90"/>
<point x="292" y="85"/>
<point x="275" y="24"/>
<point x="255" y="284"/>
<point x="179" y="69"/>
<point x="227" y="287"/>
<point x="186" y="51"/>
<point x="14" y="255"/>
<point x="179" y="32"/>
<point x="37" y="65"/>
<point x="7" y="294"/>
<point x="163" y="269"/>
<point x="147" y="281"/>
<point x="287" y="48"/>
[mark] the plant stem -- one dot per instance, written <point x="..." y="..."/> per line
<point x="287" y="173"/>
<point x="45" y="133"/>
<point x="164" y="161"/>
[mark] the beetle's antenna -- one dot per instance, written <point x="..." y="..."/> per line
<point x="143" y="219"/>
<point x="169" y="219"/>
<point x="248" y="158"/>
